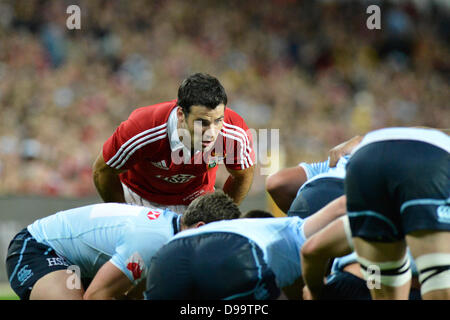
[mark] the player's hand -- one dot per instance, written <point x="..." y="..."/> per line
<point x="307" y="294"/>
<point x="343" y="149"/>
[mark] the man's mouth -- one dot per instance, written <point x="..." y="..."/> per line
<point x="206" y="143"/>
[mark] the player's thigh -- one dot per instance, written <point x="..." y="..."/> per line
<point x="428" y="241"/>
<point x="57" y="285"/>
<point x="380" y="251"/>
<point x="431" y="251"/>
<point x="371" y="210"/>
<point x="28" y="261"/>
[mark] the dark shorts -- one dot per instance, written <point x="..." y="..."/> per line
<point x="316" y="195"/>
<point x="345" y="286"/>
<point x="210" y="266"/>
<point x="28" y="260"/>
<point x="396" y="187"/>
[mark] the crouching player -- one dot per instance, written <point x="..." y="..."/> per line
<point x="110" y="244"/>
<point x="397" y="187"/>
<point x="236" y="259"/>
<point x="403" y="199"/>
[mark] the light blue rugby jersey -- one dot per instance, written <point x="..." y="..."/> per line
<point x="89" y="236"/>
<point x="318" y="170"/>
<point x="280" y="239"/>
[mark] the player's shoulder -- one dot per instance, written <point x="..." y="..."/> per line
<point x="153" y="116"/>
<point x="232" y="118"/>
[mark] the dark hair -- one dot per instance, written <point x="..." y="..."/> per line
<point x="201" y="89"/>
<point x="257" y="214"/>
<point x="209" y="208"/>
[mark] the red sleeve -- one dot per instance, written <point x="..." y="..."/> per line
<point x="240" y="154"/>
<point x="121" y="150"/>
<point x="130" y="143"/>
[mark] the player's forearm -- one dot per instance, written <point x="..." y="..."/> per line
<point x="237" y="187"/>
<point x="313" y="270"/>
<point x="108" y="186"/>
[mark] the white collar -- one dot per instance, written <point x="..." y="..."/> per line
<point x="174" y="139"/>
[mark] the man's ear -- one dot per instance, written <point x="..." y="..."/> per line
<point x="199" y="224"/>
<point x="180" y="115"/>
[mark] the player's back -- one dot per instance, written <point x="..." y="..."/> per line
<point x="91" y="235"/>
<point x="280" y="239"/>
<point x="431" y="136"/>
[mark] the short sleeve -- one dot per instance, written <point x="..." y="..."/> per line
<point x="239" y="154"/>
<point x="135" y="251"/>
<point x="313" y="169"/>
<point x="123" y="147"/>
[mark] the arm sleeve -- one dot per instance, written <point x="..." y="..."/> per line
<point x="127" y="145"/>
<point x="313" y="169"/>
<point x="240" y="154"/>
<point x="130" y="262"/>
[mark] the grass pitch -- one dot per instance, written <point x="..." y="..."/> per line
<point x="6" y="293"/>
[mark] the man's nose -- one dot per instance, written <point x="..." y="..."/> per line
<point x="211" y="132"/>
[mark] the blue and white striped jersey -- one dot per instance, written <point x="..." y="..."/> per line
<point x="126" y="235"/>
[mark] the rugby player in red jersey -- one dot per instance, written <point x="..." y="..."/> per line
<point x="166" y="155"/>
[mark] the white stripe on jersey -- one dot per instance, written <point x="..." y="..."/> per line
<point x="246" y="160"/>
<point x="140" y="146"/>
<point x="242" y="134"/>
<point x="244" y="163"/>
<point x="130" y="143"/>
<point x="245" y="145"/>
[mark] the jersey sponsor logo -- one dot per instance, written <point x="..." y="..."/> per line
<point x="60" y="261"/>
<point x="443" y="213"/>
<point x="153" y="214"/>
<point x="178" y="178"/>
<point x="136" y="265"/>
<point x="161" y="165"/>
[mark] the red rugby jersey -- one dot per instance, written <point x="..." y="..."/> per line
<point x="141" y="145"/>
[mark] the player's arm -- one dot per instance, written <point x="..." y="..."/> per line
<point x="323" y="217"/>
<point x="109" y="283"/>
<point x="107" y="182"/>
<point x="343" y="149"/>
<point x="330" y="242"/>
<point x="136" y="292"/>
<point x="238" y="183"/>
<point x="284" y="184"/>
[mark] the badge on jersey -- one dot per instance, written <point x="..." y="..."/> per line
<point x="136" y="265"/>
<point x="153" y="214"/>
<point x="214" y="160"/>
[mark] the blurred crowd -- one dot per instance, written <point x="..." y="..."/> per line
<point x="311" y="69"/>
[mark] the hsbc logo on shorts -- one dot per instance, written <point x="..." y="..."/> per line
<point x="178" y="178"/>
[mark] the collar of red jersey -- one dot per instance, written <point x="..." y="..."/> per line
<point x="174" y="139"/>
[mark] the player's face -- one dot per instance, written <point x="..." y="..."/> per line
<point x="204" y="125"/>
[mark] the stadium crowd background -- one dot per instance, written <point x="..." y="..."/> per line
<point x="310" y="68"/>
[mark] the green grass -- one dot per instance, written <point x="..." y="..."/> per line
<point x="6" y="293"/>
